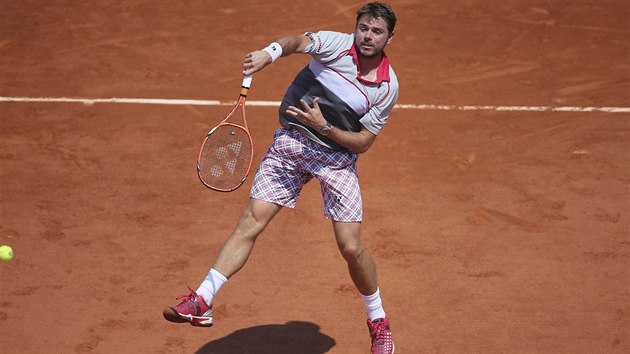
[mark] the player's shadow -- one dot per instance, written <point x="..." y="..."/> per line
<point x="292" y="337"/>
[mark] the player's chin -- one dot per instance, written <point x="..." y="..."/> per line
<point x="369" y="52"/>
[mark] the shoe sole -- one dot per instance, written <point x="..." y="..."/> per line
<point x="393" y="348"/>
<point x="173" y="316"/>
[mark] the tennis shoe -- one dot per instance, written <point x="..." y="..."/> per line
<point x="192" y="309"/>
<point x="382" y="342"/>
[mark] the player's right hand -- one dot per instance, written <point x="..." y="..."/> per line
<point x="255" y="61"/>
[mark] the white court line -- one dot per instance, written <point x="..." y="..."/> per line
<point x="90" y="101"/>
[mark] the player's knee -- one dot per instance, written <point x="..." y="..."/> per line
<point x="250" y="224"/>
<point x="352" y="252"/>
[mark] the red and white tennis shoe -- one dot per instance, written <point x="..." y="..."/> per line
<point x="382" y="342"/>
<point x="192" y="308"/>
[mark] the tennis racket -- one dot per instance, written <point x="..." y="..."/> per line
<point x="227" y="152"/>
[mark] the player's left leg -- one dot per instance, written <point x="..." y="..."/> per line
<point x="337" y="174"/>
<point x="360" y="263"/>
<point x="362" y="270"/>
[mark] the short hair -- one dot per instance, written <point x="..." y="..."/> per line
<point x="378" y="9"/>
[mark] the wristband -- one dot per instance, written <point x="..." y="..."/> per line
<point x="275" y="50"/>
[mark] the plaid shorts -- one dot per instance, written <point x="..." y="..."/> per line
<point x="293" y="160"/>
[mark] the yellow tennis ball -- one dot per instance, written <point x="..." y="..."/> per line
<point x="6" y="253"/>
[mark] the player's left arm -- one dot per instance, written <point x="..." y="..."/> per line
<point x="358" y="142"/>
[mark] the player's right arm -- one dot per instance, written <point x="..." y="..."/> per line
<point x="257" y="60"/>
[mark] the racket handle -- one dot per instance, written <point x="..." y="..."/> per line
<point x="247" y="81"/>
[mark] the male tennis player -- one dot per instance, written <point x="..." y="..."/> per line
<point x="331" y="113"/>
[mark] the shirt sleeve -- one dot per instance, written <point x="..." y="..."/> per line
<point x="327" y="45"/>
<point x="374" y="120"/>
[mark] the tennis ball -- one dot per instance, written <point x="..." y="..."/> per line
<point x="6" y="253"/>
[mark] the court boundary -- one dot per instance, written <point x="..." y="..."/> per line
<point x="191" y="102"/>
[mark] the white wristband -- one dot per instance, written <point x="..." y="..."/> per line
<point x="275" y="50"/>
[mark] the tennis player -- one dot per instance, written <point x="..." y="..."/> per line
<point x="330" y="114"/>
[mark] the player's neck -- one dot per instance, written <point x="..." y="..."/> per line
<point x="369" y="66"/>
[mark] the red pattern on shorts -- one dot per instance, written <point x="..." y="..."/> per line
<point x="293" y="160"/>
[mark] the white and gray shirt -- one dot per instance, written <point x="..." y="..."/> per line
<point x="346" y="100"/>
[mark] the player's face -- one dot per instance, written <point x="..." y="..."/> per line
<point x="371" y="36"/>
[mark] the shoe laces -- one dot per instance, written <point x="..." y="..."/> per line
<point x="187" y="297"/>
<point x="378" y="330"/>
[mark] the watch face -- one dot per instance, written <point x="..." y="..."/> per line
<point x="326" y="129"/>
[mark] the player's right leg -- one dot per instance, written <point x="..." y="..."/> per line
<point x="277" y="183"/>
<point x="196" y="306"/>
<point x="239" y="245"/>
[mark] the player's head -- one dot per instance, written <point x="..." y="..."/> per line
<point x="374" y="29"/>
<point x="378" y="9"/>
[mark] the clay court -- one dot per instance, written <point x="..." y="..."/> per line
<point x="498" y="218"/>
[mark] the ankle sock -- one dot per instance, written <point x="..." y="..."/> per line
<point x="374" y="305"/>
<point x="211" y="285"/>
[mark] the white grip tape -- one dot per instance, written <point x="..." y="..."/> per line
<point x="247" y="81"/>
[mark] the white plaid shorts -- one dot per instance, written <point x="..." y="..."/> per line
<point x="293" y="160"/>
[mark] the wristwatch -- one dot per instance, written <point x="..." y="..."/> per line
<point x="325" y="129"/>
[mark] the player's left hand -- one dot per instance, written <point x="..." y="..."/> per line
<point x="310" y="116"/>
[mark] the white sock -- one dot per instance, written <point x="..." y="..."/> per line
<point x="374" y="305"/>
<point x="209" y="287"/>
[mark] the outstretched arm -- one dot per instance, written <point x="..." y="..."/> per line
<point x="257" y="60"/>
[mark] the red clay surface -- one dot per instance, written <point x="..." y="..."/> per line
<point x="494" y="232"/>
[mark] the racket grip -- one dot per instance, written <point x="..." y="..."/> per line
<point x="247" y="81"/>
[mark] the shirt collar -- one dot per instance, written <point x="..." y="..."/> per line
<point x="382" y="73"/>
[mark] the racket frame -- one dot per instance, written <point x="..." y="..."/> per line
<point x="240" y="104"/>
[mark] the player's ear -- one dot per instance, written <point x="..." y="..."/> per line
<point x="390" y="37"/>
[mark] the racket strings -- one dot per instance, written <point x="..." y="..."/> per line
<point x="225" y="157"/>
